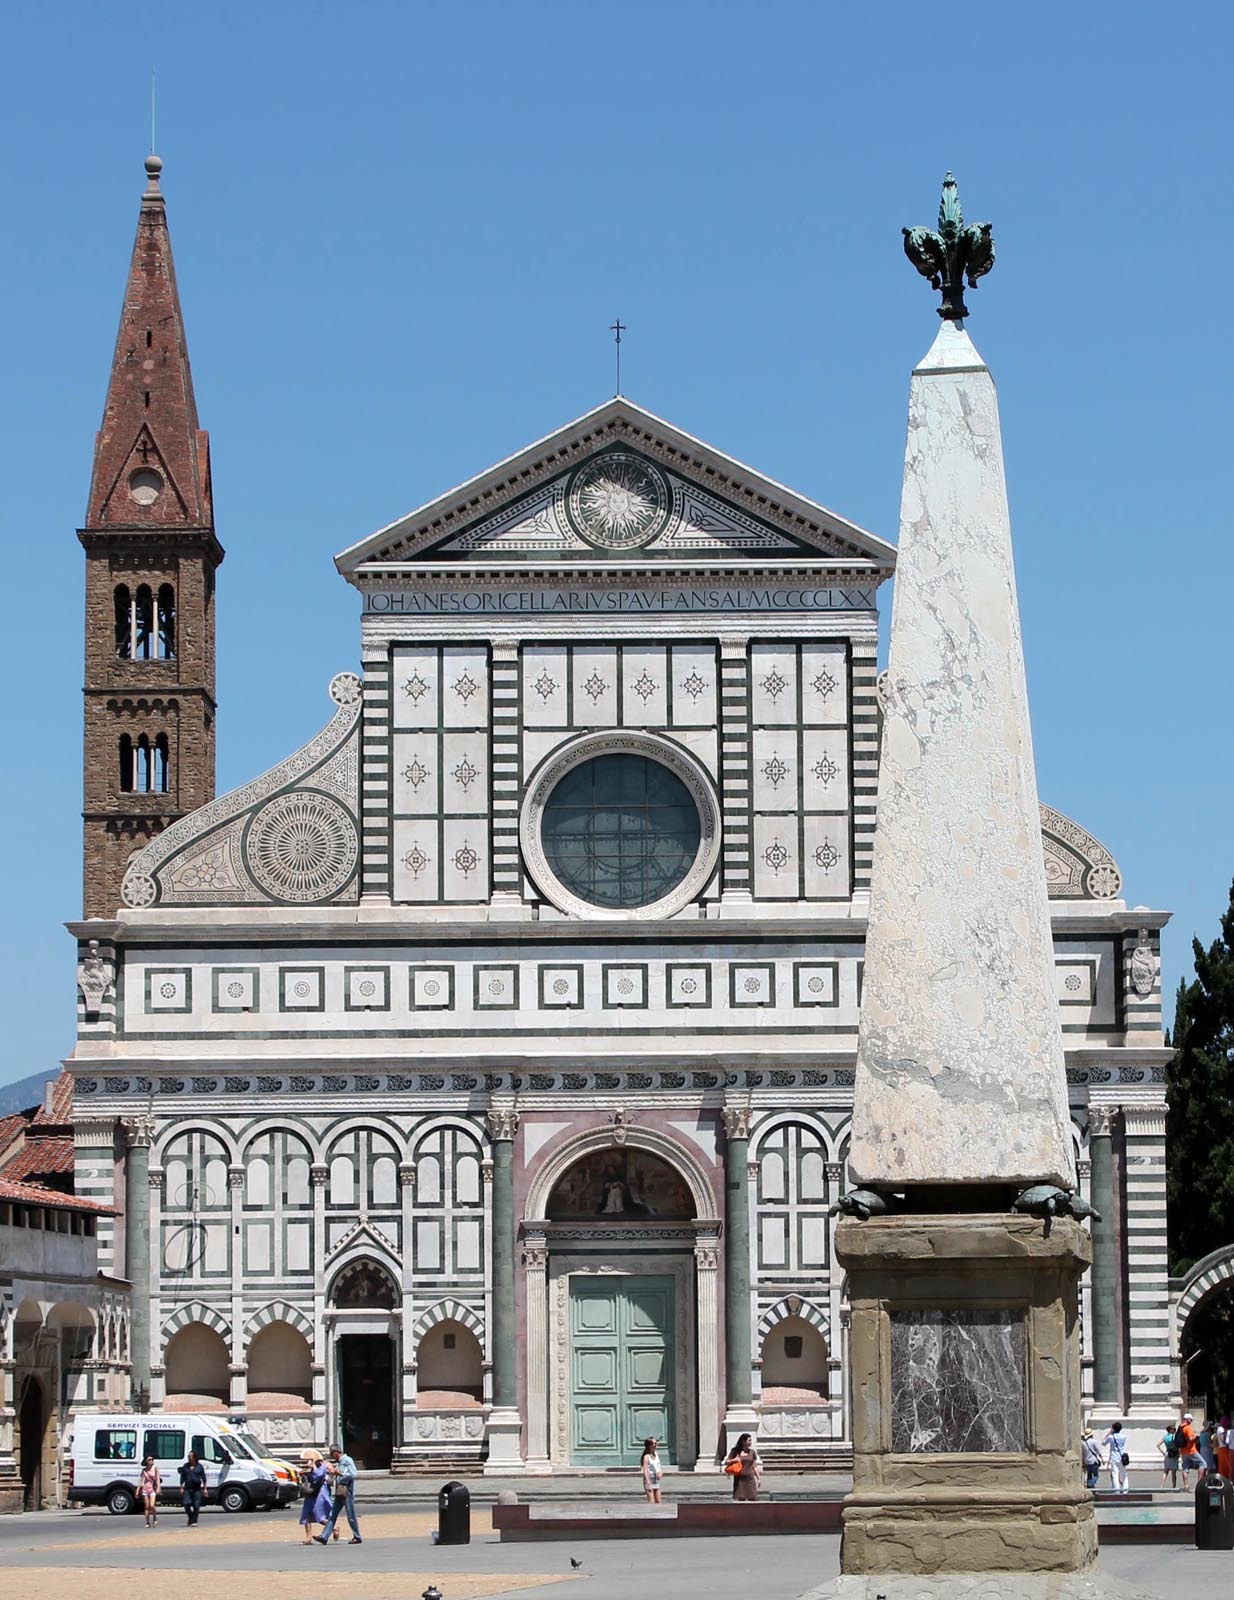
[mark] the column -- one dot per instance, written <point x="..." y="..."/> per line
<point x="707" y="1274"/>
<point x="535" y="1267"/>
<point x="10" y="1484"/>
<point x="505" y="1425"/>
<point x="837" y="1366"/>
<point x="1104" y="1298"/>
<point x="1148" y="1298"/>
<point x="138" y="1132"/>
<point x="735" y="770"/>
<point x="404" y="1447"/>
<point x="237" y="1371"/>
<point x="739" y="1413"/>
<point x="158" y="1372"/>
<point x="324" y="1398"/>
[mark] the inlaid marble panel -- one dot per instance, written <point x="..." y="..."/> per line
<point x="957" y="1380"/>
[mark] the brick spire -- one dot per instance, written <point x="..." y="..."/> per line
<point x="151" y="460"/>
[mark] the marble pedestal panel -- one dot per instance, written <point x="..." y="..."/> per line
<point x="965" y="1365"/>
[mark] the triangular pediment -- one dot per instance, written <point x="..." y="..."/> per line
<point x="617" y="485"/>
<point x="144" y="488"/>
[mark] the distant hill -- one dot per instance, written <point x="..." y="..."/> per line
<point x="23" y="1094"/>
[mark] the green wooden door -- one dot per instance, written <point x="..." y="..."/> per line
<point x="621" y="1370"/>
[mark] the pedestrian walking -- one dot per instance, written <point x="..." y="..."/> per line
<point x="344" y="1475"/>
<point x="315" y="1492"/>
<point x="749" y="1473"/>
<point x="1168" y="1445"/>
<point x="1189" y="1457"/>
<point x="1207" y="1446"/>
<point x="1225" y="1447"/>
<point x="653" y="1472"/>
<point x="148" y="1487"/>
<point x="1115" y="1443"/>
<point x="1090" y="1458"/>
<point x="192" y="1487"/>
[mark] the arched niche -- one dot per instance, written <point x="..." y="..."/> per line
<point x="449" y="1368"/>
<point x="279" y="1369"/>
<point x="196" y="1364"/>
<point x="794" y="1363"/>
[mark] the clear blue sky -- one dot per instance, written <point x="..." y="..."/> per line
<point x="401" y="232"/>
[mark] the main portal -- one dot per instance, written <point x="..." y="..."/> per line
<point x="621" y="1369"/>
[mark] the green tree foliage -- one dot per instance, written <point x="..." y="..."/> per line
<point x="1200" y="1122"/>
<point x="1200" y="1156"/>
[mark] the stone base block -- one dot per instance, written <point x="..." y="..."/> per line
<point x="977" y="1586"/>
<point x="1006" y="1531"/>
<point x="505" y="1453"/>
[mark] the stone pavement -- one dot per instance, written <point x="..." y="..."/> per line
<point x="99" y="1557"/>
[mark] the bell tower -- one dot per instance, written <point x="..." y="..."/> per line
<point x="151" y="555"/>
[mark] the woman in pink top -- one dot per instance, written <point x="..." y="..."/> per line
<point x="148" y="1488"/>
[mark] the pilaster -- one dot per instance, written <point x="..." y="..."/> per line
<point x="505" y="758"/>
<point x="736" y="882"/>
<point x="505" y="1425"/>
<point x="375" y="869"/>
<point x="535" y="1268"/>
<point x="739" y="1413"/>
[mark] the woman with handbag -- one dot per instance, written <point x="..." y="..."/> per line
<point x="744" y="1465"/>
<point x="315" y="1492"/>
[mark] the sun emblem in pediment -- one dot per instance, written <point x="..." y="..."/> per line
<point x="619" y="501"/>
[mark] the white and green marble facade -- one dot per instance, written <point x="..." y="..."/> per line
<point x="370" y="1026"/>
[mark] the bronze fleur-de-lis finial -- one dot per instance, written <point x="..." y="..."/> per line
<point x="952" y="254"/>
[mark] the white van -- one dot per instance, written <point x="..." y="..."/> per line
<point x="108" y="1448"/>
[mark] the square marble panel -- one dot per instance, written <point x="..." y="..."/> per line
<point x="816" y="983"/>
<point x="416" y="774"/>
<point x="302" y="989"/>
<point x="824" y="682"/>
<point x="415" y="685"/>
<point x="826" y="857"/>
<point x="625" y="986"/>
<point x="560" y="986"/>
<point x="366" y="988"/>
<point x="464" y="773"/>
<point x="693" y="686"/>
<point x="545" y="675"/>
<point x="957" y="1380"/>
<point x="464" y="686"/>
<point x="1075" y="982"/>
<point x="432" y="988"/>
<point x="752" y="983"/>
<point x="465" y="859"/>
<point x="775" y="770"/>
<point x="824" y="769"/>
<point x="776" y="860"/>
<point x="417" y="861"/>
<point x="495" y="988"/>
<point x="594" y="677"/>
<point x="169" y="989"/>
<point x="688" y="985"/>
<point x="773" y="685"/>
<point x="644" y="672"/>
<point x="236" y="989"/>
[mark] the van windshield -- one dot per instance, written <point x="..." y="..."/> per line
<point x="249" y="1443"/>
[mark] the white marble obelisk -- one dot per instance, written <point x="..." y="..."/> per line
<point x="960" y="1076"/>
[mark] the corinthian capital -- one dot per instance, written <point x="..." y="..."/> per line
<point x="501" y="1123"/>
<point x="138" y="1130"/>
<point x="737" y="1122"/>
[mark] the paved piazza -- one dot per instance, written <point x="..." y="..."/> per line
<point x="99" y="1557"/>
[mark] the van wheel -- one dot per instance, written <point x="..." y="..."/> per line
<point x="121" y="1500"/>
<point x="234" y="1499"/>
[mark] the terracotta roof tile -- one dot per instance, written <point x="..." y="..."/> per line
<point x="50" y="1154"/>
<point x="33" y="1194"/>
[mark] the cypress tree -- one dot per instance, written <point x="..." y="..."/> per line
<point x="1200" y="1121"/>
<point x="1200" y="1152"/>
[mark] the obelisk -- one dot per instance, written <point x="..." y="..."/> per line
<point x="961" y="1239"/>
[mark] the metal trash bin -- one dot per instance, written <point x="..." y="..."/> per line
<point x="1214" y="1513"/>
<point x="454" y="1514"/>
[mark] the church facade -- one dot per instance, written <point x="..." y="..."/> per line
<point x="474" y="1084"/>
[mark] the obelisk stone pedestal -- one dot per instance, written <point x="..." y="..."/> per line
<point x="966" y="1381"/>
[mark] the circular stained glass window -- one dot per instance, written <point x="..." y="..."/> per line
<point x="620" y="831"/>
